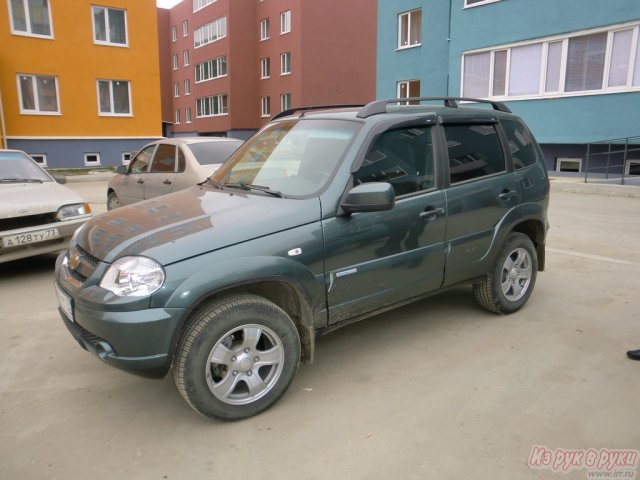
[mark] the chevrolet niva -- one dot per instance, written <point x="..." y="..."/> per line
<point x="326" y="216"/>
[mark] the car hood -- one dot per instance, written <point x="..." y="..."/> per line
<point x="22" y="199"/>
<point x="191" y="222"/>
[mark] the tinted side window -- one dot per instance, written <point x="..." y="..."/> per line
<point x="474" y="152"/>
<point x="403" y="158"/>
<point x="165" y="159"/>
<point x="141" y="162"/>
<point x="521" y="143"/>
<point x="182" y="163"/>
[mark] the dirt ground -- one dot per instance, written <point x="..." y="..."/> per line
<point x="437" y="389"/>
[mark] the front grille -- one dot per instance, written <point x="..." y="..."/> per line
<point x="16" y="223"/>
<point x="80" y="263"/>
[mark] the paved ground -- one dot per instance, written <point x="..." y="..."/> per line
<point x="438" y="389"/>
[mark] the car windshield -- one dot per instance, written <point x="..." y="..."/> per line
<point x="17" y="167"/>
<point x="211" y="153"/>
<point x="289" y="158"/>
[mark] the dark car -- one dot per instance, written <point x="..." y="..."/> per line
<point x="325" y="216"/>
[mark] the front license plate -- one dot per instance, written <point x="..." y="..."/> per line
<point x="64" y="301"/>
<point x="32" y="237"/>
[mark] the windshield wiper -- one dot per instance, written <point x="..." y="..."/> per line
<point x="212" y="182"/>
<point x="259" y="188"/>
<point x="20" y="180"/>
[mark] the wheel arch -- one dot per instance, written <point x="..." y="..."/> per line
<point x="534" y="229"/>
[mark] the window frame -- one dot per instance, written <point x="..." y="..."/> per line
<point x="98" y="161"/>
<point x="28" y="32"/>
<point x="200" y="4"/>
<point x="560" y="160"/>
<point x="187" y="87"/>
<point x="200" y="69"/>
<point x="174" y="34"/>
<point x="185" y="28"/>
<point x="264" y="29"/>
<point x="185" y="58"/>
<point x="478" y="3"/>
<point x="265" y="107"/>
<point x="108" y="42"/>
<point x="285" y="61"/>
<point x="42" y="156"/>
<point x="174" y="61"/>
<point x="408" y="83"/>
<point x="285" y="101"/>
<point x="176" y="89"/>
<point x="112" y="98"/>
<point x="265" y="66"/>
<point x="220" y="98"/>
<point x="219" y="24"/>
<point x="408" y="14"/>
<point x="176" y="116"/>
<point x="545" y="79"/>
<point x="187" y="115"/>
<point x="285" y="22"/>
<point x="34" y="84"/>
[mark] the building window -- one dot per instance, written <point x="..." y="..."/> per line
<point x="174" y="33"/>
<point x="211" y="32"/>
<point x="126" y="158"/>
<point x="91" y="159"/>
<point x="185" y="57"/>
<point x="187" y="87"/>
<point x="264" y="29"/>
<point x="200" y="4"/>
<point x="473" y="3"/>
<point x="30" y="17"/>
<point x="211" y="106"/>
<point x="211" y="69"/>
<point x="285" y="101"/>
<point x="285" y="63"/>
<point x="265" y="67"/>
<point x="265" y="109"/>
<point x="174" y="61"/>
<point x="114" y="97"/>
<point x="410" y="29"/>
<point x="632" y="168"/>
<point x="38" y="94"/>
<point x="285" y="22"/>
<point x="177" y="115"/>
<point x="187" y="115"/>
<point x="41" y="158"/>
<point x="109" y="26"/>
<point x="409" y="89"/>
<point x="591" y="61"/>
<point x="185" y="28"/>
<point x="573" y="165"/>
<point x="176" y="89"/>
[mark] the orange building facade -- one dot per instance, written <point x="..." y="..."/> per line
<point x="80" y="81"/>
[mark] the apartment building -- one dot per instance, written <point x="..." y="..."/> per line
<point x="79" y="81"/>
<point x="571" y="68"/>
<point x="235" y="64"/>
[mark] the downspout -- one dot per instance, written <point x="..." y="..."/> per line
<point x="3" y="132"/>
<point x="449" y="46"/>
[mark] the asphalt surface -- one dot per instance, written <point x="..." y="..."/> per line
<point x="437" y="389"/>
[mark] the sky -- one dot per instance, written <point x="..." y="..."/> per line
<point x="166" y="3"/>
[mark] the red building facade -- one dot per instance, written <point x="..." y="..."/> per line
<point x="233" y="64"/>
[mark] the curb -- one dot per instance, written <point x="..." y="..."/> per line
<point x="89" y="177"/>
<point x="630" y="191"/>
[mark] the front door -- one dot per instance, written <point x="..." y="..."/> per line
<point x="377" y="259"/>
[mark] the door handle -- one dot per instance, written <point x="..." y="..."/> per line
<point x="140" y="180"/>
<point x="507" y="194"/>
<point x="430" y="213"/>
<point x="167" y="182"/>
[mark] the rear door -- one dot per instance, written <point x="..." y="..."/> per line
<point x="483" y="192"/>
<point x="377" y="259"/>
<point x="162" y="174"/>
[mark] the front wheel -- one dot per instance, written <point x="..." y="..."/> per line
<point x="508" y="287"/>
<point x="237" y="357"/>
<point x="112" y="201"/>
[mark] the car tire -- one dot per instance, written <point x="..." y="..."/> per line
<point x="112" y="201"/>
<point x="508" y="287"/>
<point x="237" y="357"/>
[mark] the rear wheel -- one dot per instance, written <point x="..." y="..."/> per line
<point x="237" y="357"/>
<point x="112" y="201"/>
<point x="508" y="287"/>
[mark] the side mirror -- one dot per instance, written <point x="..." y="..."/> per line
<point x="121" y="169"/>
<point x="369" y="197"/>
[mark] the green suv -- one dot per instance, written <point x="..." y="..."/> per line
<point x="326" y="216"/>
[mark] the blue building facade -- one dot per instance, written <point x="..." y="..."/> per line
<point x="570" y="68"/>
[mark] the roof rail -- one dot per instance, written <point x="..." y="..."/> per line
<point x="291" y="111"/>
<point x="380" y="106"/>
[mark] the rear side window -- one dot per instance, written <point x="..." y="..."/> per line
<point x="521" y="143"/>
<point x="474" y="152"/>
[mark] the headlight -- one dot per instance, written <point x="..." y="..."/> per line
<point x="75" y="210"/>
<point x="133" y="277"/>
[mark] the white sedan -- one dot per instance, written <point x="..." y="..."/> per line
<point x="37" y="215"/>
<point x="168" y="165"/>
